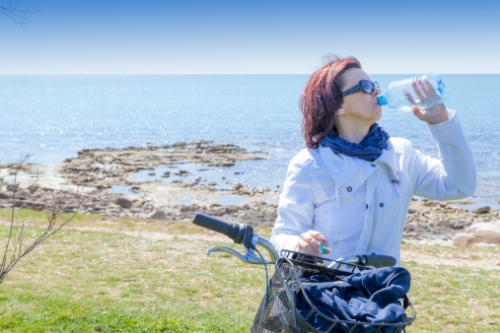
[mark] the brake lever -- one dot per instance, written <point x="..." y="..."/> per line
<point x="249" y="257"/>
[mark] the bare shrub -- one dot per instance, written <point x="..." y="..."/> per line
<point x="63" y="209"/>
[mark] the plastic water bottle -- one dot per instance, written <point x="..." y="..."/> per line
<point x="395" y="95"/>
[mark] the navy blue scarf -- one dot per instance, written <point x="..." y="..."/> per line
<point x="369" y="149"/>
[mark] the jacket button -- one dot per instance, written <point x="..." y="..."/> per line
<point x="366" y="206"/>
<point x="349" y="189"/>
<point x="381" y="204"/>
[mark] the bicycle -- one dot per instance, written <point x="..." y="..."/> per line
<point x="288" y="304"/>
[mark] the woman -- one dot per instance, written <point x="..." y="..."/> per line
<point x="349" y="191"/>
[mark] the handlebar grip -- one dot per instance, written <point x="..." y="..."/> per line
<point x="378" y="260"/>
<point x="235" y="231"/>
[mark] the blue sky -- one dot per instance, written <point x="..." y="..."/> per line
<point x="250" y="36"/>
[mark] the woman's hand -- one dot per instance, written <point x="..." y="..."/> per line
<point x="425" y="92"/>
<point x="310" y="243"/>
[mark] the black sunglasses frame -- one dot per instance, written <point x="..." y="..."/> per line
<point x="361" y="86"/>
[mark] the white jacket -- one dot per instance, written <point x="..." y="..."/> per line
<point x="360" y="206"/>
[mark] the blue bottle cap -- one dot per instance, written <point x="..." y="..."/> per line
<point x="381" y="100"/>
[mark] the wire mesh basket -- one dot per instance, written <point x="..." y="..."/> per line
<point x="279" y="310"/>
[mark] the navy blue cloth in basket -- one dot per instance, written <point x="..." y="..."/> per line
<point x="374" y="296"/>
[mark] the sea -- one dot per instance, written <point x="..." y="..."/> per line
<point x="51" y="118"/>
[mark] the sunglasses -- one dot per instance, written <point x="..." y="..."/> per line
<point x="365" y="86"/>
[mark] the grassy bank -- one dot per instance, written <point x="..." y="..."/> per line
<point x="126" y="275"/>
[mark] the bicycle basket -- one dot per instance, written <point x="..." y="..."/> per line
<point x="279" y="311"/>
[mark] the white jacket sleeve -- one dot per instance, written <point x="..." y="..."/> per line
<point x="296" y="205"/>
<point x="453" y="175"/>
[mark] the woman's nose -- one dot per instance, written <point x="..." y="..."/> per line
<point x="377" y="91"/>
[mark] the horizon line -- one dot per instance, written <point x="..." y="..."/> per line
<point x="153" y="74"/>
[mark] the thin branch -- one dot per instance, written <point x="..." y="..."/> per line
<point x="12" y="11"/>
<point x="17" y="168"/>
<point x="62" y="202"/>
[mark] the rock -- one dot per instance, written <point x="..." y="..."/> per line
<point x="32" y="189"/>
<point x="124" y="203"/>
<point x="463" y="239"/>
<point x="483" y="210"/>
<point x="486" y="233"/>
<point x="459" y="225"/>
<point x="12" y="187"/>
<point x="33" y="205"/>
<point x="159" y="215"/>
<point x="23" y="194"/>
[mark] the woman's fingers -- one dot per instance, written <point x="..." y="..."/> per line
<point x="409" y="97"/>
<point x="421" y="88"/>
<point x="306" y="247"/>
<point x="313" y="242"/>
<point x="418" y="113"/>
<point x="318" y="236"/>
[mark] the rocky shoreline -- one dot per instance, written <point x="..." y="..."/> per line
<point x="167" y="183"/>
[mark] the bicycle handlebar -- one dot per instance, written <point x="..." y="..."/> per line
<point x="235" y="231"/>
<point x="239" y="233"/>
<point x="373" y="260"/>
<point x="243" y="234"/>
<point x="377" y="260"/>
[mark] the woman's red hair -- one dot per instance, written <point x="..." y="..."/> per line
<point x="322" y="98"/>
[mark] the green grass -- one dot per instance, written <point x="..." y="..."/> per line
<point x="130" y="275"/>
<point x="455" y="299"/>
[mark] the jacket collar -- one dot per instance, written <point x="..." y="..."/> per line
<point x="350" y="173"/>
